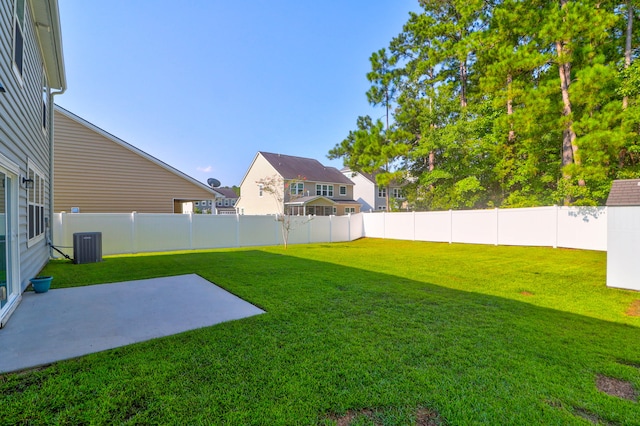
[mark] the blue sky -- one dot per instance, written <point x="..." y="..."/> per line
<point x="204" y="85"/>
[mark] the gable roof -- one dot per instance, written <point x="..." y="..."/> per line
<point x="624" y="193"/>
<point x="369" y="176"/>
<point x="290" y="167"/>
<point x="132" y="148"/>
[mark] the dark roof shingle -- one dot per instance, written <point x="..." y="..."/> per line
<point x="624" y="193"/>
<point x="291" y="167"/>
<point x="226" y="192"/>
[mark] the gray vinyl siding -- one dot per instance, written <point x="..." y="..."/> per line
<point x="22" y="138"/>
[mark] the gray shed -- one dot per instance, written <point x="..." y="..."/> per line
<point x="623" y="235"/>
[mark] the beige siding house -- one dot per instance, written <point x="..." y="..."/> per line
<point x="31" y="73"/>
<point x="95" y="172"/>
<point x="305" y="186"/>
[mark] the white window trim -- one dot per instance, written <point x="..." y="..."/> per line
<point x="260" y="190"/>
<point x="340" y="191"/>
<point x="295" y="189"/>
<point x="397" y="193"/>
<point x="37" y="171"/>
<point x="382" y="192"/>
<point x="14" y="18"/>
<point x="329" y="188"/>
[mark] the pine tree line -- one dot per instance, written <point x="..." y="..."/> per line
<point x="505" y="103"/>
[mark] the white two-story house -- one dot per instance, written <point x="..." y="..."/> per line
<point x="305" y="187"/>
<point x="373" y="197"/>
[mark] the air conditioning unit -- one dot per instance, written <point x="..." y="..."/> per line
<point x="87" y="247"/>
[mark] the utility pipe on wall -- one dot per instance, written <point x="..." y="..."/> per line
<point x="50" y="114"/>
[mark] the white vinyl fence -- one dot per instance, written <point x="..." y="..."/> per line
<point x="571" y="227"/>
<point x="149" y="232"/>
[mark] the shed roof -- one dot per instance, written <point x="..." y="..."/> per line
<point x="624" y="193"/>
<point x="290" y="167"/>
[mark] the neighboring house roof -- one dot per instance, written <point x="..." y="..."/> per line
<point x="226" y="192"/>
<point x="624" y="193"/>
<point x="346" y="202"/>
<point x="290" y="167"/>
<point x="371" y="177"/>
<point x="46" y="18"/>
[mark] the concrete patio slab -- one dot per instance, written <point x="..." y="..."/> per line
<point x="70" y="322"/>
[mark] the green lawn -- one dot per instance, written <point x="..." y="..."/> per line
<point x="379" y="332"/>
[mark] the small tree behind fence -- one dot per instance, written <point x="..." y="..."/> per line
<point x="283" y="192"/>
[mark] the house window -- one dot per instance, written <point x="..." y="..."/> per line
<point x="335" y="210"/>
<point x="35" y="205"/>
<point x="260" y="189"/>
<point x="397" y="193"/>
<point x="324" y="190"/>
<point x="18" y="36"/>
<point x="226" y="202"/>
<point x="382" y="208"/>
<point x="349" y="210"/>
<point x="218" y="202"/>
<point x="343" y="190"/>
<point x="382" y="192"/>
<point x="297" y="188"/>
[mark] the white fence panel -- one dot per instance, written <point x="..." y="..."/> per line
<point x="162" y="231"/>
<point x="475" y="226"/>
<point x="373" y="225"/>
<point x="320" y="229"/>
<point x="214" y="231"/>
<point x="582" y="228"/>
<point x="528" y="226"/>
<point x="433" y="226"/>
<point x="299" y="230"/>
<point x="117" y="230"/>
<point x="259" y="231"/>
<point x="339" y="228"/>
<point x="356" y="224"/>
<point x="399" y="226"/>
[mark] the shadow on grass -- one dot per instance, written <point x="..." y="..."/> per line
<point x="336" y="340"/>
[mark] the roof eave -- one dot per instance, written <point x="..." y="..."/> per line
<point x="46" y="17"/>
